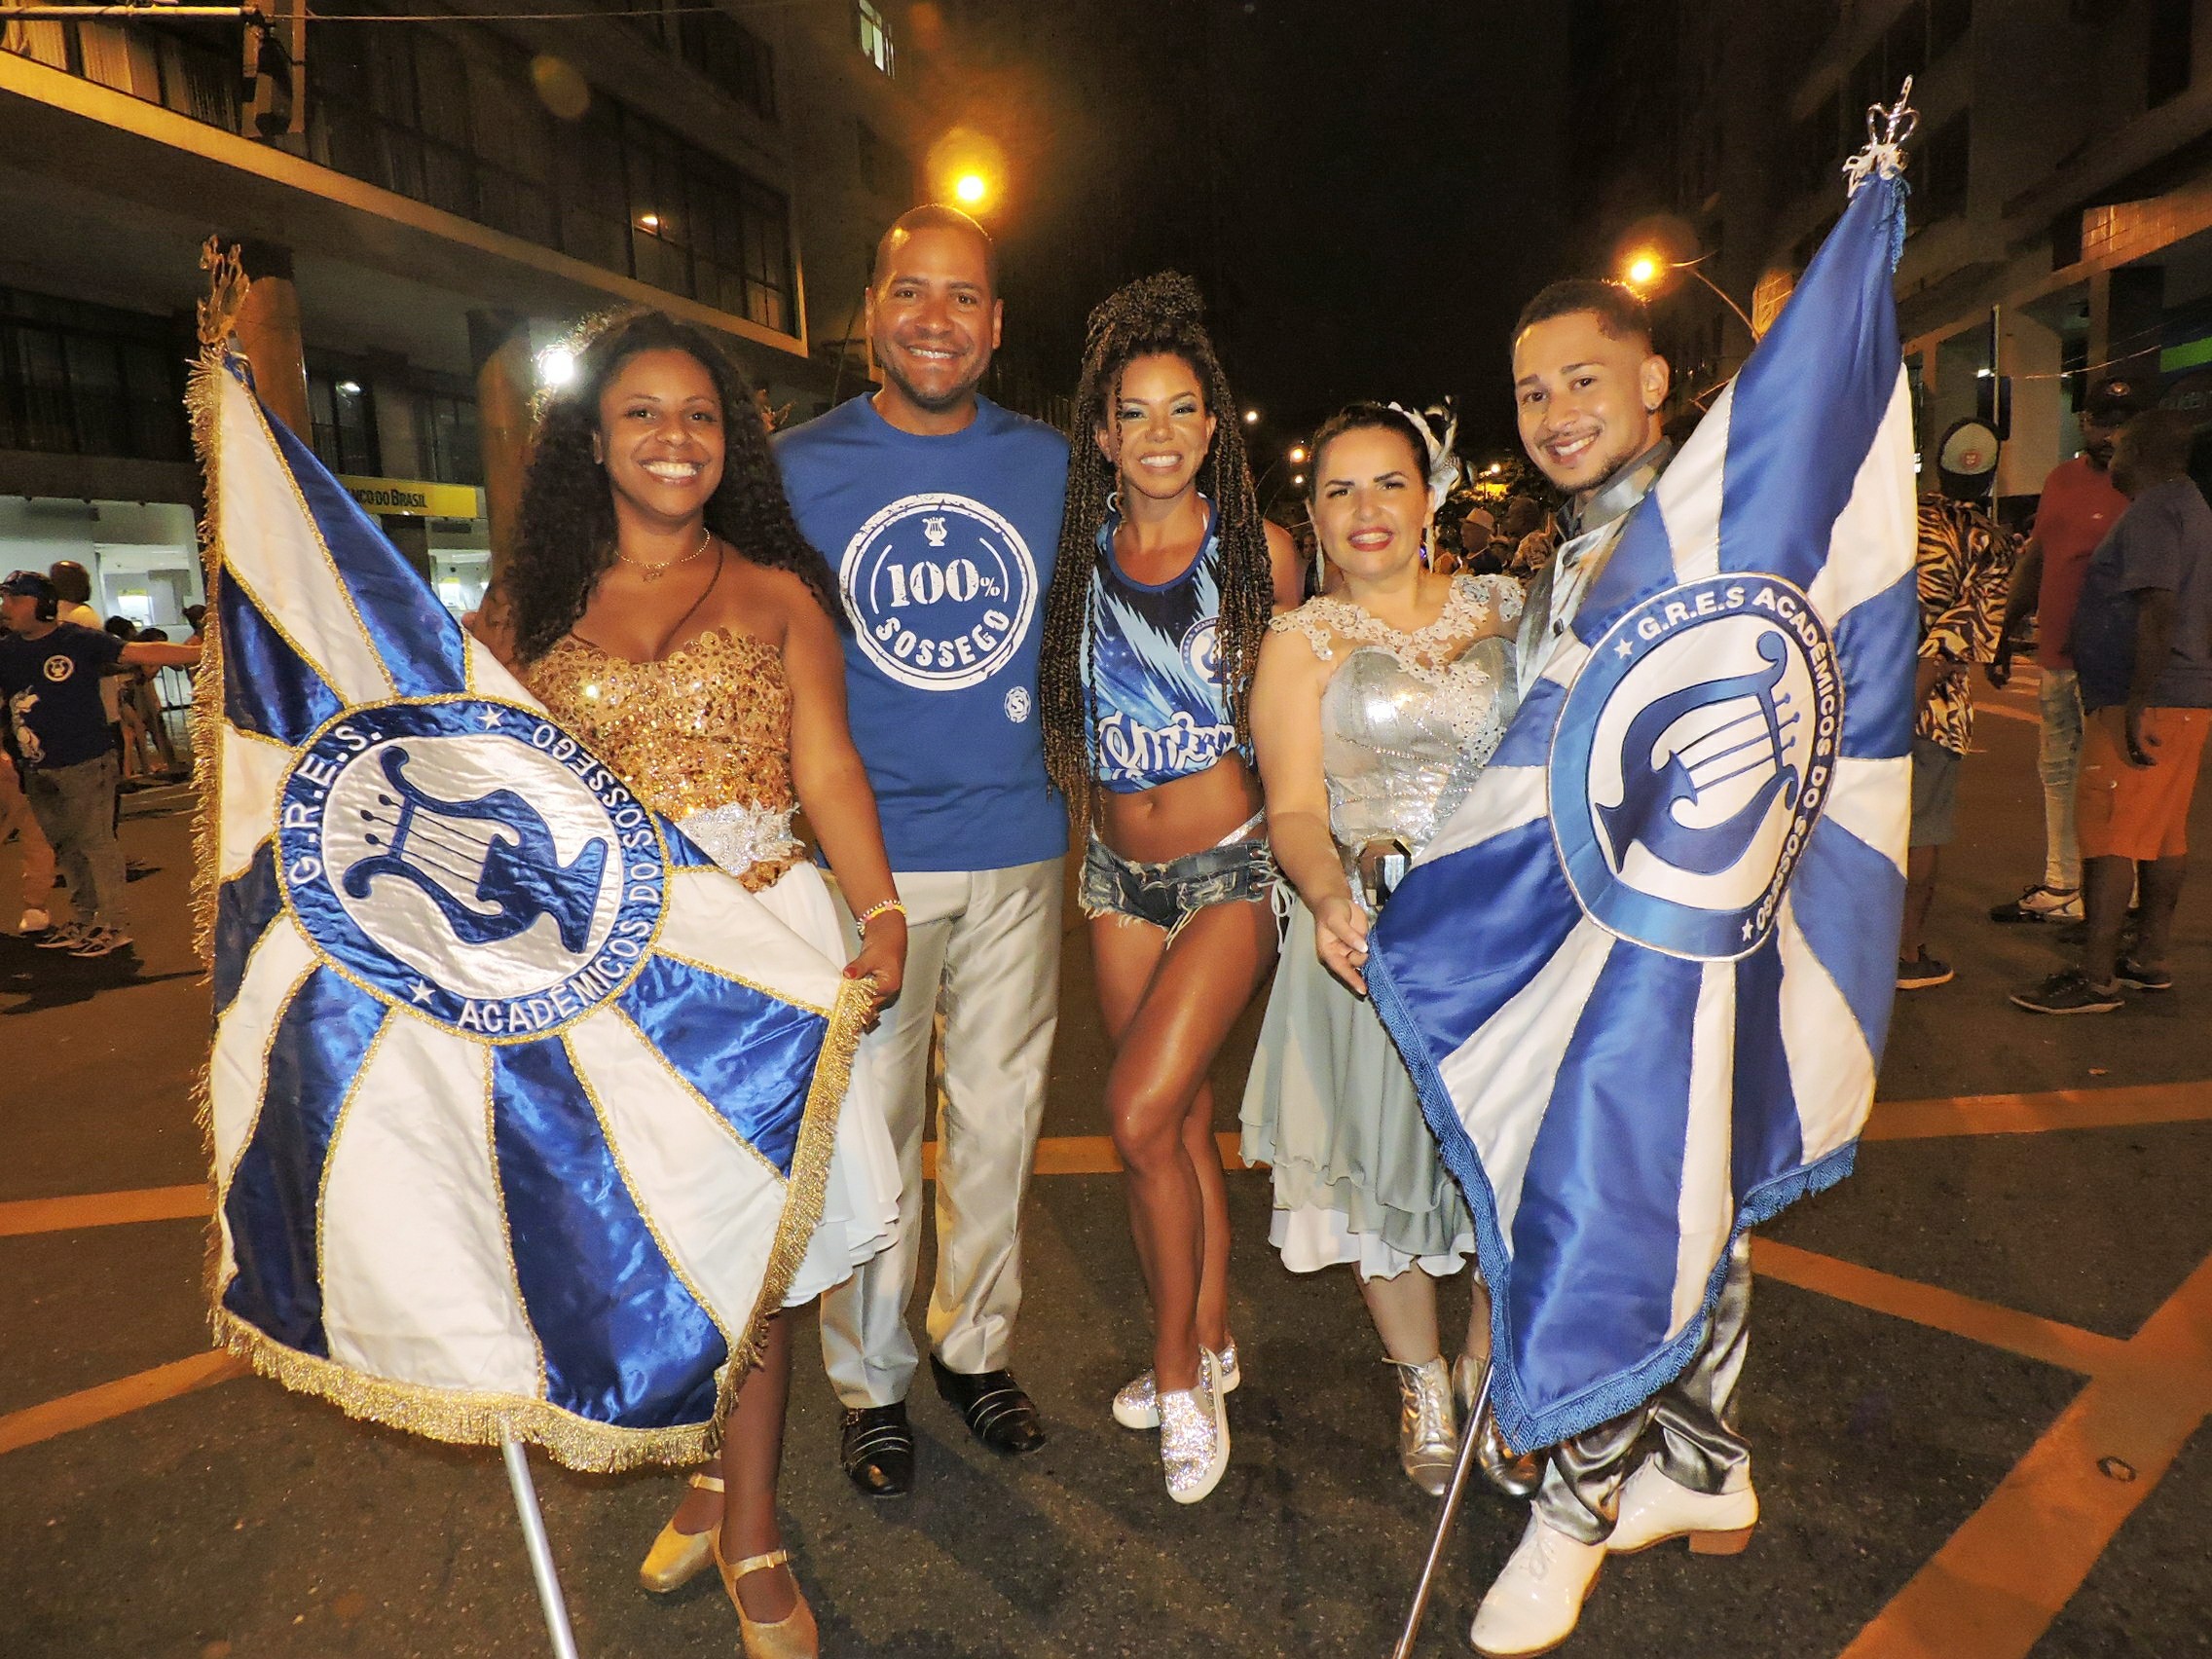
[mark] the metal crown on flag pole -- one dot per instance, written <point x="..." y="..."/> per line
<point x="520" y="1109"/>
<point x="1643" y="978"/>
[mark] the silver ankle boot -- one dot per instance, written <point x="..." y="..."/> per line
<point x="1517" y="1474"/>
<point x="1428" y="1443"/>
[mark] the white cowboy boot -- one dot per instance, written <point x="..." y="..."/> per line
<point x="1536" y="1601"/>
<point x="1656" y="1509"/>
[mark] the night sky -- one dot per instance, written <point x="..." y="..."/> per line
<point x="1386" y="187"/>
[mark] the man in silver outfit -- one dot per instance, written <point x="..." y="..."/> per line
<point x="1588" y="389"/>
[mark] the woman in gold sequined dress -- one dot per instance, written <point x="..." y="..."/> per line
<point x="663" y="605"/>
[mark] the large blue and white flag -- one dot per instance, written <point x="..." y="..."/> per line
<point x="520" y="1109"/>
<point x="1643" y="978"/>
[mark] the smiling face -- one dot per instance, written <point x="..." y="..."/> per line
<point x="660" y="435"/>
<point x="1157" y="430"/>
<point x="1588" y="401"/>
<point x="934" y="323"/>
<point x="1370" y="501"/>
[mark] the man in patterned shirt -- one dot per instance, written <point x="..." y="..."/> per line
<point x="1965" y="565"/>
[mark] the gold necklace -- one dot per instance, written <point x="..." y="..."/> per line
<point x="653" y="572"/>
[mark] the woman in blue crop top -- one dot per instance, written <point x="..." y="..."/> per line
<point x="1165" y="582"/>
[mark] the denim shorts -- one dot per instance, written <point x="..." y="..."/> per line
<point x="1168" y="894"/>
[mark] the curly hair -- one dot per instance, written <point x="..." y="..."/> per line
<point x="566" y="530"/>
<point x="1160" y="315"/>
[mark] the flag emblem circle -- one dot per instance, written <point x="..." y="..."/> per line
<point x="467" y="860"/>
<point x="1202" y="648"/>
<point x="942" y="590"/>
<point x="1692" y="757"/>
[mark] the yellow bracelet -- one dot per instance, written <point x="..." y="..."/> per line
<point x="874" y="911"/>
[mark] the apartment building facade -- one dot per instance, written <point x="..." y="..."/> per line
<point x="452" y="196"/>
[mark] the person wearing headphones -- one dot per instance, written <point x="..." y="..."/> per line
<point x="50" y="674"/>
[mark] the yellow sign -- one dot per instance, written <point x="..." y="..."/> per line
<point x="417" y="498"/>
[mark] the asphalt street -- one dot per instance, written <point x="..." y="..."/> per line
<point x="1978" y="1384"/>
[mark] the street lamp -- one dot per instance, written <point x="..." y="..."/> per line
<point x="556" y="365"/>
<point x="1251" y="416"/>
<point x="1297" y="451"/>
<point x="1644" y="270"/>
<point x="1298" y="480"/>
<point x="970" y="188"/>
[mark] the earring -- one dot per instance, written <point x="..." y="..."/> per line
<point x="1114" y="500"/>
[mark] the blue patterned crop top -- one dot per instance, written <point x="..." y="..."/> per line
<point x="1149" y="662"/>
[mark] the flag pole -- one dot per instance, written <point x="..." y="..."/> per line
<point x="541" y="1551"/>
<point x="1470" y="1436"/>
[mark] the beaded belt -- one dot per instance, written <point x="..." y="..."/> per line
<point x="753" y="843"/>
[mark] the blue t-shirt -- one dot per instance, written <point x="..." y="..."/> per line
<point x="53" y="687"/>
<point x="944" y="548"/>
<point x="1151" y="662"/>
<point x="2163" y="540"/>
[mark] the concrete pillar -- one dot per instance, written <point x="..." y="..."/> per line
<point x="412" y="537"/>
<point x="506" y="379"/>
<point x="2032" y="356"/>
<point x="268" y="333"/>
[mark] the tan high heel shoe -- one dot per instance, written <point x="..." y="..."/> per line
<point x="792" y="1636"/>
<point x="676" y="1557"/>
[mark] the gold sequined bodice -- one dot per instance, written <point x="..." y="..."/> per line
<point x="703" y="735"/>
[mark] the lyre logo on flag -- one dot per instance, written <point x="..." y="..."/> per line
<point x="1643" y="975"/>
<point x="471" y="857"/>
<point x="1693" y="755"/>
<point x="520" y="1109"/>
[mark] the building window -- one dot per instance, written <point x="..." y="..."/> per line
<point x="445" y="430"/>
<point x="343" y="411"/>
<point x="637" y="199"/>
<point x="2167" y="76"/>
<point x="717" y="45"/>
<point x="874" y="36"/>
<point x="883" y="166"/>
<point x="1945" y="160"/>
<point x="178" y="66"/>
<point x="78" y="378"/>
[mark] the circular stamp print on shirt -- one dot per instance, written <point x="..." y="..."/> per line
<point x="942" y="591"/>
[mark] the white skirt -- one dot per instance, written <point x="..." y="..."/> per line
<point x="859" y="1208"/>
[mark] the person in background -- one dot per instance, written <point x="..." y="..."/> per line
<point x="2079" y="506"/>
<point x="123" y="722"/>
<point x="1476" y="554"/>
<point x="1963" y="561"/>
<point x="17" y="820"/>
<point x="49" y="673"/>
<point x="2142" y="644"/>
<point x="1531" y="533"/>
<point x="143" y="699"/>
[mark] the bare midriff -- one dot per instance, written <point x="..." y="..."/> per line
<point x="1183" y="816"/>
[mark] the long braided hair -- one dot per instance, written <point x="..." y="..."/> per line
<point x="564" y="531"/>
<point x="1155" y="315"/>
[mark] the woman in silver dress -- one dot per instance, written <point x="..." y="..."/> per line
<point x="1374" y="708"/>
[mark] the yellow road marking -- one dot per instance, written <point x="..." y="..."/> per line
<point x="102" y="1210"/>
<point x="2068" y="1347"/>
<point x="2035" y="1114"/>
<point x="118" y="1398"/>
<point x="1993" y="1590"/>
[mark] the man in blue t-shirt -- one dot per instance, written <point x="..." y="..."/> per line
<point x="941" y="512"/>
<point x="50" y="675"/>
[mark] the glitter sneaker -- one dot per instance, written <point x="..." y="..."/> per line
<point x="1137" y="1405"/>
<point x="1193" y="1435"/>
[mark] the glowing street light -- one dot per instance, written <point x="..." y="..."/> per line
<point x="1298" y="478"/>
<point x="556" y="365"/>
<point x="1644" y="270"/>
<point x="1251" y="416"/>
<point x="1297" y="451"/>
<point x="969" y="189"/>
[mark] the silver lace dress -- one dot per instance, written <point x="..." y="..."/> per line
<point x="1408" y="721"/>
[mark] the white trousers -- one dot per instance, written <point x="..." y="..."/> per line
<point x="982" y="948"/>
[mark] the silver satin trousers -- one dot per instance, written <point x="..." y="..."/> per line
<point x="1695" y="1415"/>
